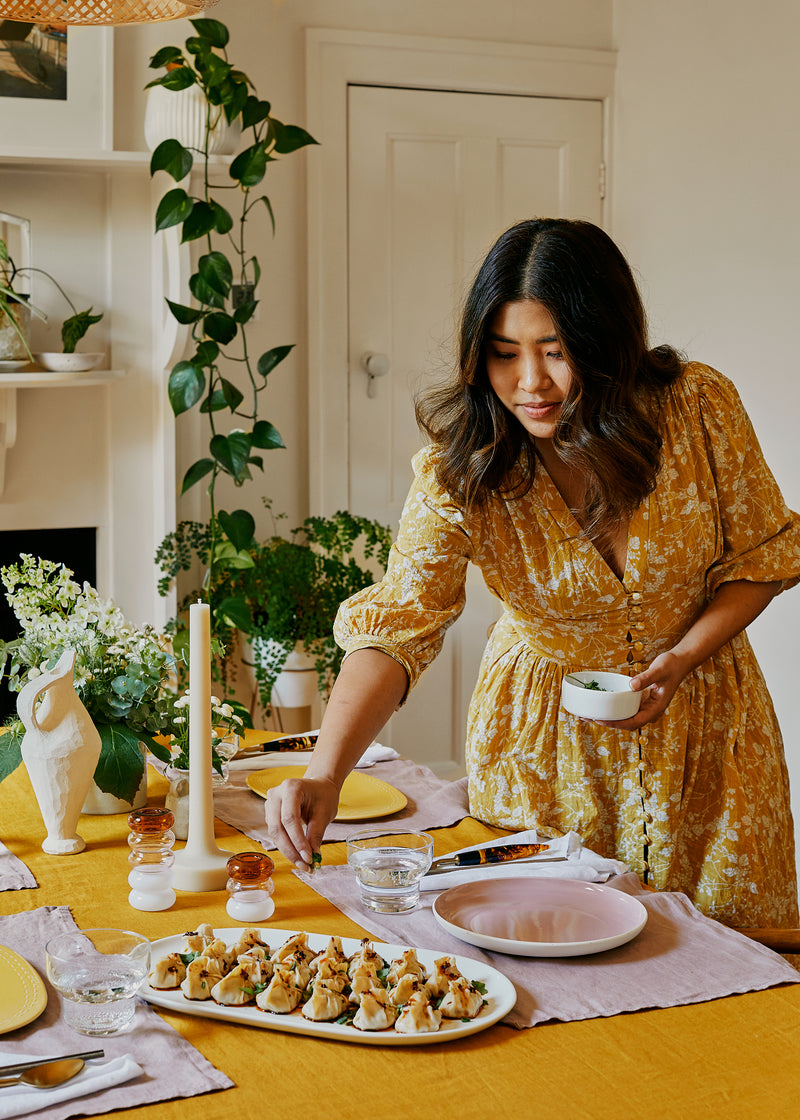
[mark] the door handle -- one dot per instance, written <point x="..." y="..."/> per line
<point x="374" y="365"/>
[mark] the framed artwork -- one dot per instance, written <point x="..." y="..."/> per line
<point x="56" y="89"/>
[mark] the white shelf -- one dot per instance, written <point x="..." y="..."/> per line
<point x="44" y="379"/>
<point x="87" y="160"/>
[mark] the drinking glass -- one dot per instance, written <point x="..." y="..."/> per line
<point x="389" y="864"/>
<point x="98" y="972"/>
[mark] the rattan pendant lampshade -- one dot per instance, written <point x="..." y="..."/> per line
<point x="108" y="12"/>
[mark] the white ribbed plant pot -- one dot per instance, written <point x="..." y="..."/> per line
<point x="296" y="684"/>
<point x="181" y="115"/>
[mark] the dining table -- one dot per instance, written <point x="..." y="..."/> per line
<point x="737" y="1056"/>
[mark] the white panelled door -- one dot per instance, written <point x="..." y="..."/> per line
<point x="434" y="177"/>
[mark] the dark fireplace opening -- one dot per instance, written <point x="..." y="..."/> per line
<point x="75" y="548"/>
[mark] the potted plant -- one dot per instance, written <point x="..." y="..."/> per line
<point x="122" y="673"/>
<point x="221" y="376"/>
<point x="287" y="591"/>
<point x="16" y="309"/>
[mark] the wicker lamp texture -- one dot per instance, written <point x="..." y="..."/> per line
<point x="101" y="11"/>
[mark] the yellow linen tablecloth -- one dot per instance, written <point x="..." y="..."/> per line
<point x="738" y="1056"/>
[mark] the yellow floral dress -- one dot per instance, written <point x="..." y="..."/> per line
<point x="697" y="801"/>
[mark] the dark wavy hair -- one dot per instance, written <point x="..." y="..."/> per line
<point x="608" y="426"/>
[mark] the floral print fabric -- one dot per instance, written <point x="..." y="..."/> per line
<point x="697" y="801"/>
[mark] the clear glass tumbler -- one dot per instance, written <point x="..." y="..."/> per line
<point x="389" y="864"/>
<point x="98" y="973"/>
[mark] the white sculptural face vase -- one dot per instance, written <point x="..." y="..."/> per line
<point x="60" y="749"/>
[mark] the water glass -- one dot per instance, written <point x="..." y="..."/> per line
<point x="389" y="864"/>
<point x="98" y="972"/>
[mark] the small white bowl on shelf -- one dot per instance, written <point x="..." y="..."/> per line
<point x="68" y="363"/>
<point x="612" y="699"/>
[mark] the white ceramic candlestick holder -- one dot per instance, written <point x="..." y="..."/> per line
<point x="201" y="865"/>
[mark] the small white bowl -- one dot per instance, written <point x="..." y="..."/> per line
<point x="617" y="701"/>
<point x="68" y="363"/>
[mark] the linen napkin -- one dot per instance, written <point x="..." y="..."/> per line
<point x="95" y="1076"/>
<point x="581" y="863"/>
<point x="376" y="752"/>
<point x="14" y="874"/>
<point x="679" y="957"/>
<point x="169" y="1066"/>
<point x="432" y="802"/>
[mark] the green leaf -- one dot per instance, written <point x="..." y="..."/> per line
<point x="180" y="78"/>
<point x="195" y="472"/>
<point x="220" y="326"/>
<point x="119" y="770"/>
<point x="206" y="353"/>
<point x="256" y="461"/>
<point x="290" y="137"/>
<point x="10" y="752"/>
<point x="165" y="55"/>
<point x="184" y="314"/>
<point x="254" y="111"/>
<point x="213" y="30"/>
<point x="249" y="167"/>
<point x="266" y="435"/>
<point x="233" y="396"/>
<point x="203" y="293"/>
<point x="199" y="223"/>
<point x="172" y="157"/>
<point x="231" y="452"/>
<point x="235" y="95"/>
<point x="75" y="327"/>
<point x="187" y="383"/>
<point x="245" y="311"/>
<point x="270" y="211"/>
<point x="239" y="527"/>
<point x="268" y="361"/>
<point x="236" y="613"/>
<point x="215" y="403"/>
<point x="174" y="208"/>
<point x="223" y="222"/>
<point x="215" y="270"/>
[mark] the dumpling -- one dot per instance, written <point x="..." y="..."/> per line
<point x="366" y="955"/>
<point x="298" y="963"/>
<point x="332" y="952"/>
<point x="196" y="940"/>
<point x="419" y="1016"/>
<point x="168" y="973"/>
<point x="324" y="1005"/>
<point x="331" y="975"/>
<point x="405" y="966"/>
<point x="364" y="979"/>
<point x="444" y="970"/>
<point x="201" y="976"/>
<point x="291" y="945"/>
<point x="236" y="988"/>
<point x="281" y="994"/>
<point x="375" y="1012"/>
<point x="249" y="939"/>
<point x="219" y="951"/>
<point x="462" y="1000"/>
<point x="404" y="989"/>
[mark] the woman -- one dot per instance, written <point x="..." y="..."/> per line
<point x="616" y="501"/>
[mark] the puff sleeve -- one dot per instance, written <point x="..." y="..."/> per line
<point x="407" y="614"/>
<point x="760" y="534"/>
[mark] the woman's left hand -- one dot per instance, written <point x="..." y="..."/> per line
<point x="661" y="679"/>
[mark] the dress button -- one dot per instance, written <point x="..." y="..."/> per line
<point x="638" y="626"/>
<point x="638" y="645"/>
<point x="636" y="596"/>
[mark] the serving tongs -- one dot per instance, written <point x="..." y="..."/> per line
<point x="502" y="853"/>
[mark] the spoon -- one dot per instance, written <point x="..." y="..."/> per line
<point x="47" y="1075"/>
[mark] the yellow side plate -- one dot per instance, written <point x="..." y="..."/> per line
<point x="363" y="797"/>
<point x="23" y="996"/>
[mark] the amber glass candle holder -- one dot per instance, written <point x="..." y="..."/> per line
<point x="151" y="858"/>
<point x="250" y="887"/>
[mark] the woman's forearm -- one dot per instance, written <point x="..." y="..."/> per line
<point x="734" y="607"/>
<point x="368" y="690"/>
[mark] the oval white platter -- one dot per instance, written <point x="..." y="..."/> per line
<point x="500" y="996"/>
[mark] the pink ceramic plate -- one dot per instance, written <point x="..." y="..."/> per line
<point x="530" y="917"/>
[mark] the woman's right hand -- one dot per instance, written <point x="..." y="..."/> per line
<point x="298" y="812"/>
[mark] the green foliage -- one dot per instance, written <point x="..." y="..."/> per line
<point x="75" y="327"/>
<point x="218" y="328"/>
<point x="282" y="591"/>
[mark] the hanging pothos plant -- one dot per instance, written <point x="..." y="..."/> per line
<point x="218" y="323"/>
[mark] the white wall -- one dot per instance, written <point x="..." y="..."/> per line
<point x="706" y="181"/>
